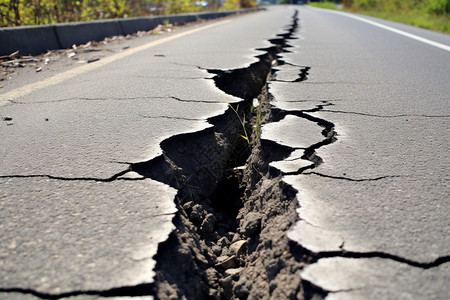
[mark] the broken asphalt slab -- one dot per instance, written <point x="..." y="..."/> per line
<point x="77" y="231"/>
<point x="350" y="278"/>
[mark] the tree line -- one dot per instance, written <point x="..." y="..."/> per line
<point x="39" y="12"/>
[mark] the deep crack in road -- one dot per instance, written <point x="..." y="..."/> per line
<point x="240" y="228"/>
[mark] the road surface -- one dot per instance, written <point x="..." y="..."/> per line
<point x="376" y="207"/>
<point x="111" y="171"/>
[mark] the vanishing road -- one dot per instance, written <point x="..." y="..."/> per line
<point x="120" y="178"/>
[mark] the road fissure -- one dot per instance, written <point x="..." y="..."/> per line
<point x="230" y="209"/>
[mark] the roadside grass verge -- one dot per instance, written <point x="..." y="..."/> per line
<point x="414" y="17"/>
<point x="326" y="4"/>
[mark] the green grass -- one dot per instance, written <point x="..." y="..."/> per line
<point x="413" y="17"/>
<point x="328" y="5"/>
<point x="256" y="133"/>
<point x="242" y="121"/>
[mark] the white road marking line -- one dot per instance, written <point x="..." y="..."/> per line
<point x="392" y="29"/>
<point x="58" y="78"/>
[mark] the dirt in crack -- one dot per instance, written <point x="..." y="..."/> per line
<point x="230" y="239"/>
<point x="247" y="83"/>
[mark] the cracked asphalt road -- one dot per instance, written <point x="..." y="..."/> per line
<point x="363" y="110"/>
<point x="375" y="210"/>
<point x="76" y="221"/>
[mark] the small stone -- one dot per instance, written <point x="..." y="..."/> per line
<point x="251" y="224"/>
<point x="226" y="252"/>
<point x="236" y="237"/>
<point x="7" y="118"/>
<point x="212" y="274"/>
<point x="226" y="262"/>
<point x="223" y="242"/>
<point x="237" y="247"/>
<point x="213" y="292"/>
<point x="197" y="214"/>
<point x="208" y="223"/>
<point x="201" y="260"/>
<point x="216" y="250"/>
<point x="39" y="69"/>
<point x="188" y="206"/>
<point x="233" y="272"/>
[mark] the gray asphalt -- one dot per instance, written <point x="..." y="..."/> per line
<point x="382" y="190"/>
<point x="375" y="211"/>
<point x="73" y="219"/>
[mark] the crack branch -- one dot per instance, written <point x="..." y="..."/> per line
<point x="352" y="179"/>
<point x="302" y="76"/>
<point x="11" y="102"/>
<point x="310" y="152"/>
<point x="110" y="179"/>
<point x="188" y="65"/>
<point x="131" y="291"/>
<point x="378" y="254"/>
<point x="195" y="101"/>
<point x="171" y="118"/>
<point x="385" y="116"/>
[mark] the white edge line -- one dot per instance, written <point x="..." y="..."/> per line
<point x="60" y="77"/>
<point x="392" y="29"/>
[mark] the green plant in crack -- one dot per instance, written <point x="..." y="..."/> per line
<point x="255" y="106"/>
<point x="241" y="120"/>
